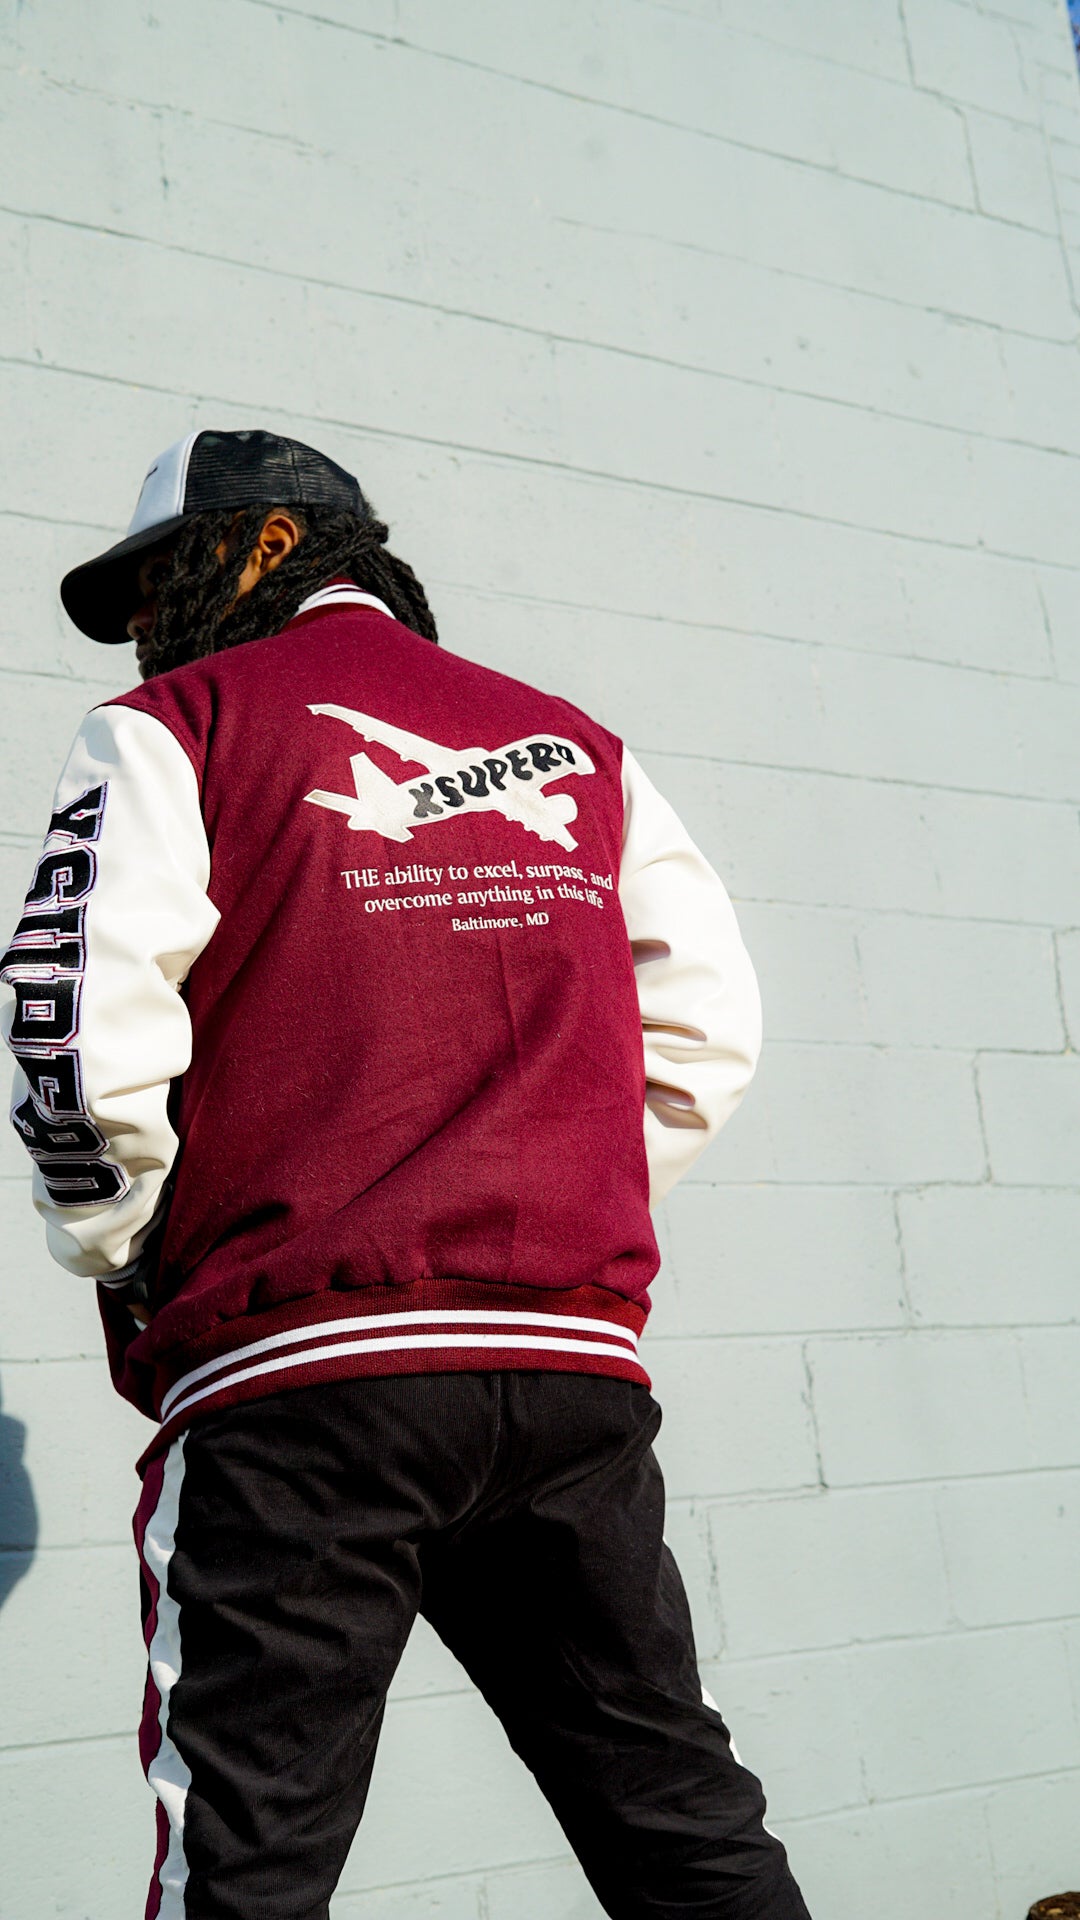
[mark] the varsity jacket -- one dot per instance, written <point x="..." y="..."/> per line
<point x="364" y="1000"/>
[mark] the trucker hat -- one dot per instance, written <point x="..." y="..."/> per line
<point x="207" y="472"/>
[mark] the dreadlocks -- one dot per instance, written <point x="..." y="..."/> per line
<point x="195" y="611"/>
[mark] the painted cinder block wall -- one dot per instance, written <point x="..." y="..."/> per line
<point x="717" y="366"/>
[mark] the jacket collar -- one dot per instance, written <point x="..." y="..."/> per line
<point x="341" y="593"/>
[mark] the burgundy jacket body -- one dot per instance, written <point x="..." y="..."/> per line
<point x="386" y="1112"/>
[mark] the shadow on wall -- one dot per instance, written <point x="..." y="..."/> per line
<point x="18" y="1508"/>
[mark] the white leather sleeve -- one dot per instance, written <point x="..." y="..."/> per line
<point x="102" y="1031"/>
<point x="698" y="993"/>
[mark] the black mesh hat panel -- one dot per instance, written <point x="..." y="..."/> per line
<point x="243" y="469"/>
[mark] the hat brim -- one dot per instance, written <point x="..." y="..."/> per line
<point x="102" y="594"/>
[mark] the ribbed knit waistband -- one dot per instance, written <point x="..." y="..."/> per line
<point x="428" y="1326"/>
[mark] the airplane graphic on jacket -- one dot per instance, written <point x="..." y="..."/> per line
<point x="509" y="780"/>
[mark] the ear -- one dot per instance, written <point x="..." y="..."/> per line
<point x="279" y="535"/>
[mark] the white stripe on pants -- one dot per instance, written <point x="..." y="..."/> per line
<point x="168" y="1773"/>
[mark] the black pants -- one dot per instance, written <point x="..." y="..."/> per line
<point x="287" y="1546"/>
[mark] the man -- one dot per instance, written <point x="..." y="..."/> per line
<point x="363" y="997"/>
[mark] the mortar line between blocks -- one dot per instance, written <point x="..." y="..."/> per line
<point x="595" y="103"/>
<point x="972" y="1790"/>
<point x="773" y="269"/>
<point x="967" y="433"/>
